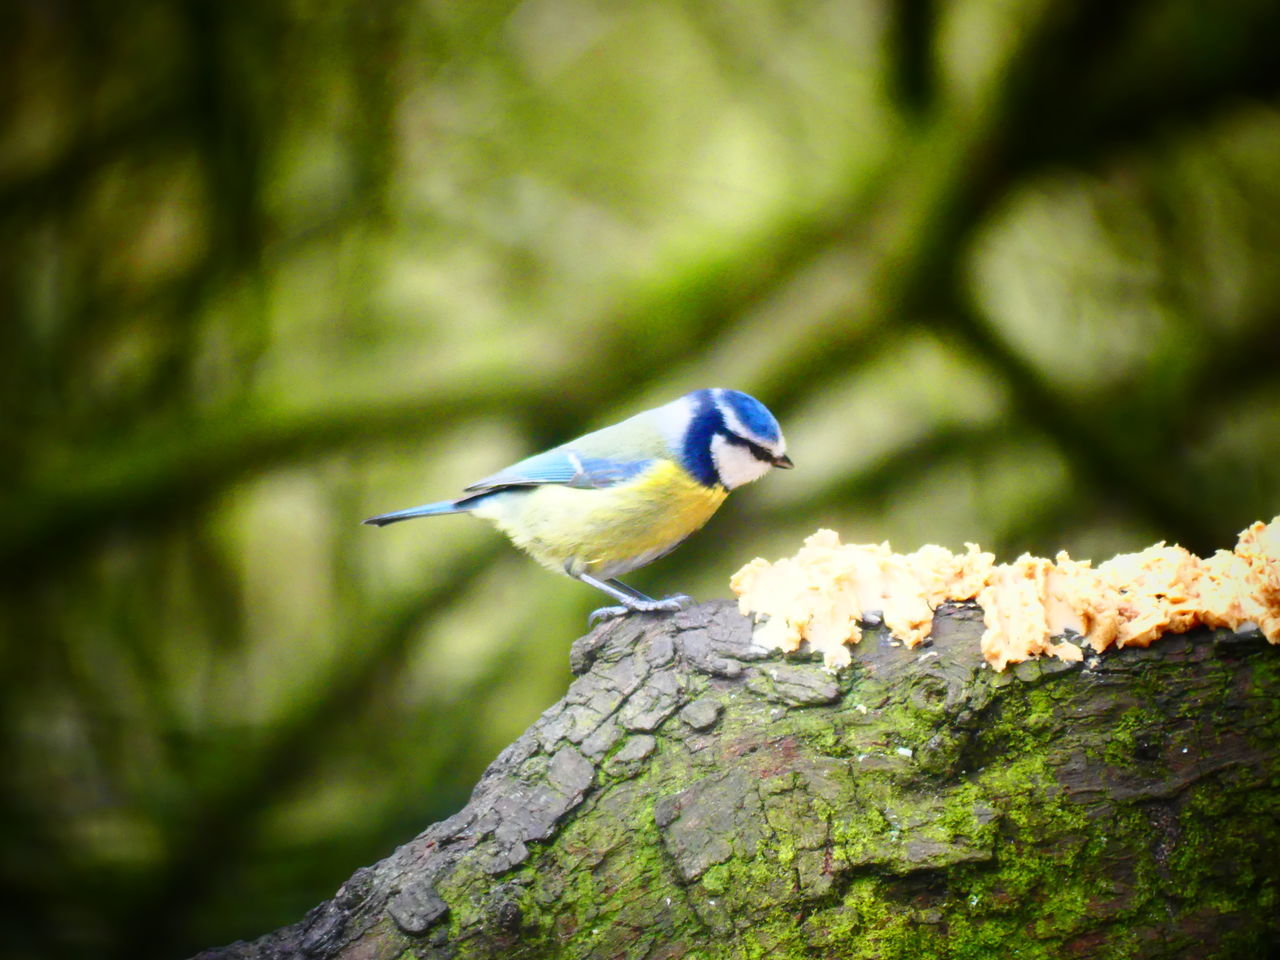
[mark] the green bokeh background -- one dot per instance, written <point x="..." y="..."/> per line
<point x="1006" y="271"/>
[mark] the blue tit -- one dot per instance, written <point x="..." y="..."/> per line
<point x="613" y="500"/>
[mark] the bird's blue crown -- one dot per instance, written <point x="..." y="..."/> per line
<point x="752" y="414"/>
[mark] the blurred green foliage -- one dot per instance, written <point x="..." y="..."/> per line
<point x="1005" y="270"/>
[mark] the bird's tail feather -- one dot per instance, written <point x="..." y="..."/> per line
<point x="426" y="510"/>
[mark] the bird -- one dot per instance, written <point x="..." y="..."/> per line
<point x="611" y="501"/>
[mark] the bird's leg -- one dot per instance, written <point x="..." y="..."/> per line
<point x="630" y="599"/>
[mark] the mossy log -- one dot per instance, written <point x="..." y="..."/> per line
<point x="696" y="796"/>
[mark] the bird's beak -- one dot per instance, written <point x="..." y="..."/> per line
<point x="783" y="461"/>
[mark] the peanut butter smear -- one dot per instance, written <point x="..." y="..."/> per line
<point x="1031" y="607"/>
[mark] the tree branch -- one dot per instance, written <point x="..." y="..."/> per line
<point x="694" y="793"/>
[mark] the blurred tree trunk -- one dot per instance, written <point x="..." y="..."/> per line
<point x="693" y="795"/>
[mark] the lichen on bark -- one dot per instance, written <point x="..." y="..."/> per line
<point x="696" y="796"/>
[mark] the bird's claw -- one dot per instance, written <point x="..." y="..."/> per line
<point x="674" y="602"/>
<point x="665" y="605"/>
<point x="605" y="613"/>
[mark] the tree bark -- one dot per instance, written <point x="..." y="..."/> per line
<point x="696" y="796"/>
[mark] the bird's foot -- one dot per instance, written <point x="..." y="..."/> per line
<point x="636" y="605"/>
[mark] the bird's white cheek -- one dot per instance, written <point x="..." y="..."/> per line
<point x="735" y="464"/>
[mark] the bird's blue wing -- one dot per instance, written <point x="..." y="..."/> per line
<point x="566" y="467"/>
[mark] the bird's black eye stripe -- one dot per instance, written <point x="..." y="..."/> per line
<point x="757" y="451"/>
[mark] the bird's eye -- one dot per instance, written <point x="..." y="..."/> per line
<point x="757" y="451"/>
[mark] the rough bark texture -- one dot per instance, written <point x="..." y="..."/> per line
<point x="695" y="796"/>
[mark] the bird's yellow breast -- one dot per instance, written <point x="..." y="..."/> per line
<point x="609" y="531"/>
